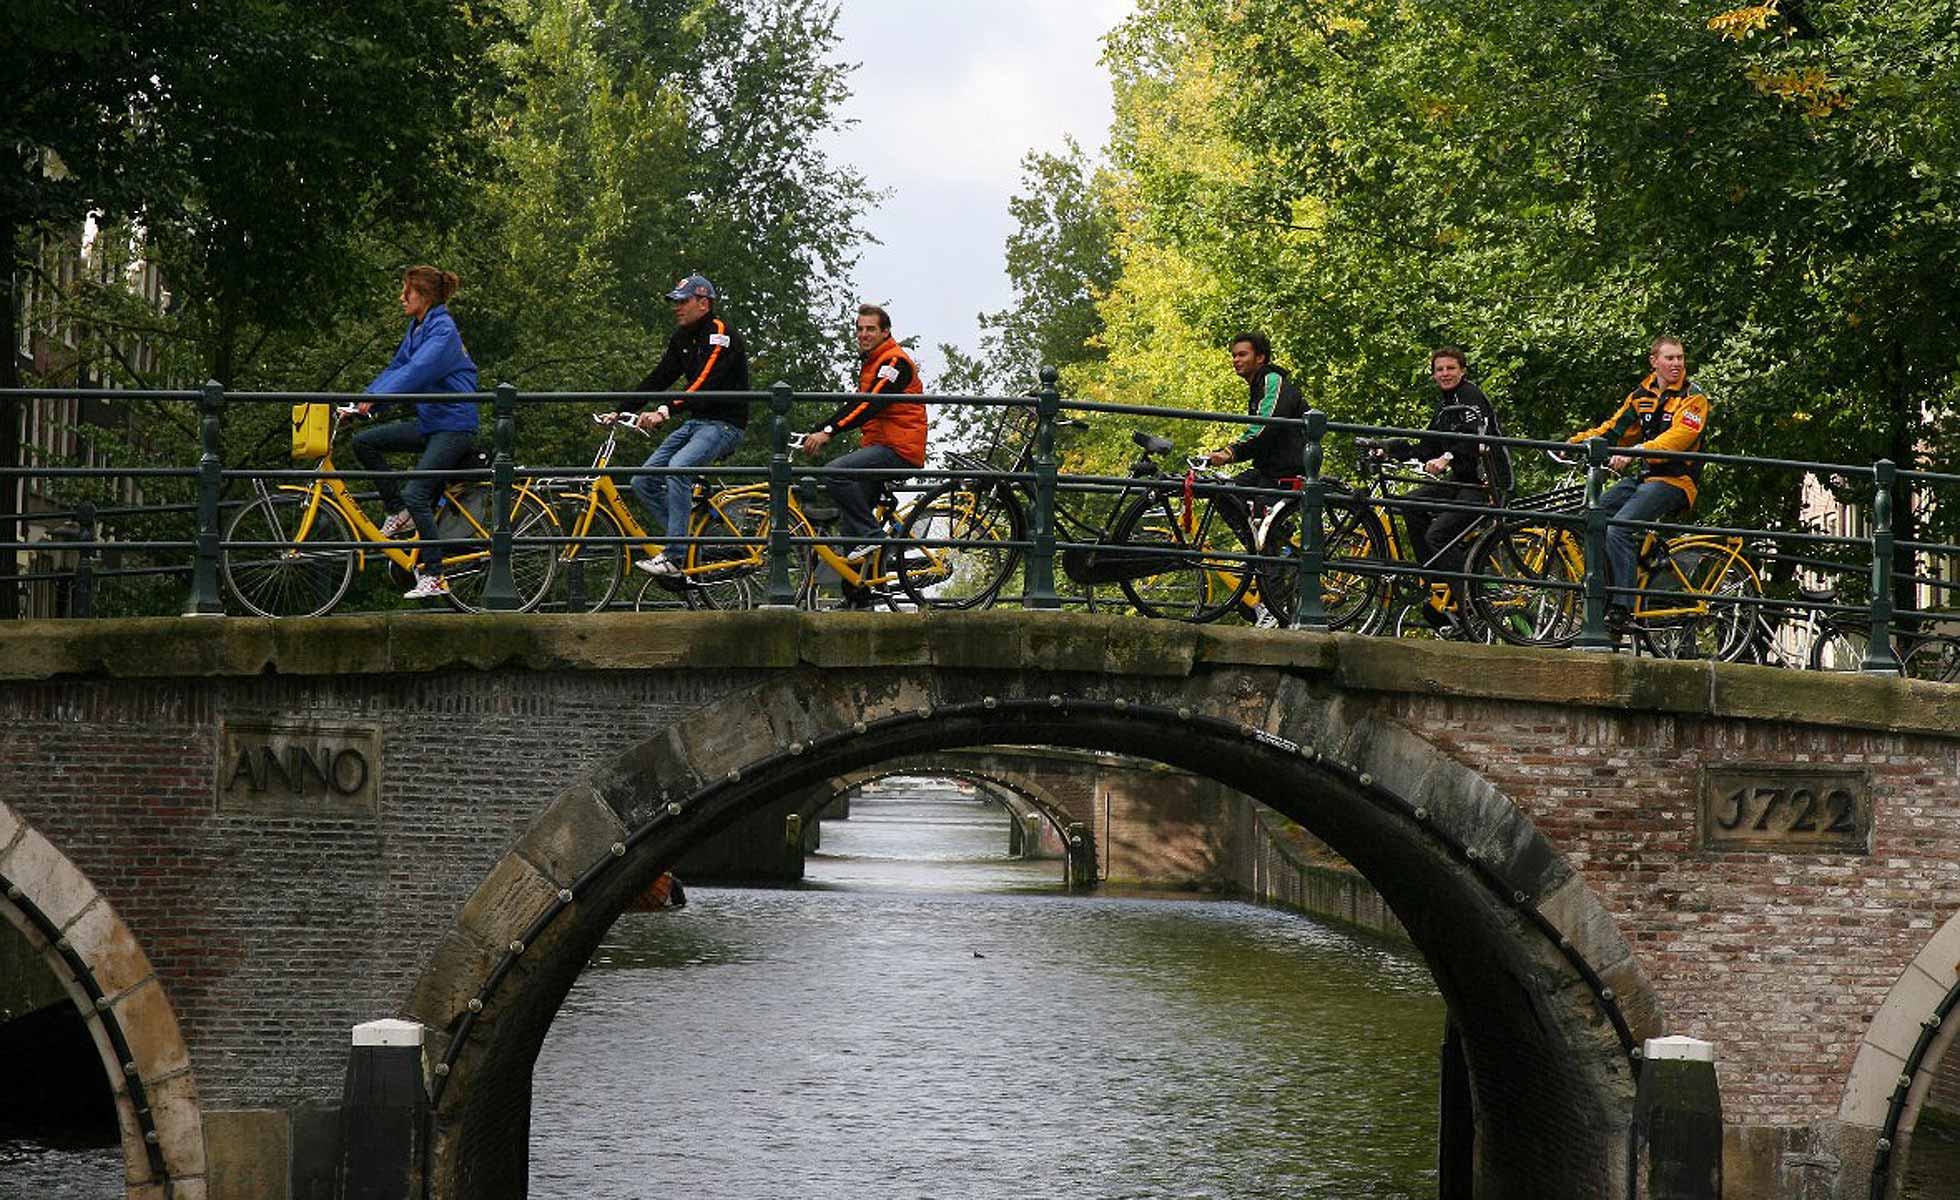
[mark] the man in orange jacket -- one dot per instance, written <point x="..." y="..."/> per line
<point x="892" y="429"/>
<point x="1666" y="412"/>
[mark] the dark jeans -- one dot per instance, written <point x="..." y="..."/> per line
<point x="856" y="496"/>
<point x="441" y="451"/>
<point x="1436" y="535"/>
<point x="1633" y="500"/>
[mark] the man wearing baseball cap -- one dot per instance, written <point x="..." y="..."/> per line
<point x="704" y="355"/>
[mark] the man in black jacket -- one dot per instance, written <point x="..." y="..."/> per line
<point x="1474" y="470"/>
<point x="1275" y="451"/>
<point x="706" y="355"/>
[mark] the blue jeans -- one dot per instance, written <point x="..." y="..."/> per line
<point x="694" y="444"/>
<point x="1634" y="500"/>
<point x="856" y="496"/>
<point x="441" y="451"/>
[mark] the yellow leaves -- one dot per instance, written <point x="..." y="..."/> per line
<point x="1349" y="25"/>
<point x="1741" y="24"/>
<point x="1811" y="87"/>
<point x="1436" y="110"/>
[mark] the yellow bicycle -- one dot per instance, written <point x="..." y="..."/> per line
<point x="1696" y="591"/>
<point x="292" y="550"/>
<point x="731" y="570"/>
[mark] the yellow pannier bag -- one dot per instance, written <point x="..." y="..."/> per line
<point x="312" y="430"/>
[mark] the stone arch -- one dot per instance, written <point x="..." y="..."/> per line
<point x="1032" y="797"/>
<point x="129" y="1017"/>
<point x="1545" y="990"/>
<point x="1076" y="837"/>
<point x="1882" y="1099"/>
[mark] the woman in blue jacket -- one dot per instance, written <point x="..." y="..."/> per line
<point x="431" y="358"/>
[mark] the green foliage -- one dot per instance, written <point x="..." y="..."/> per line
<point x="569" y="159"/>
<point x="1549" y="186"/>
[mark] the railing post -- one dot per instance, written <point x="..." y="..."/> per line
<point x="1309" y="609"/>
<point x="1594" y="634"/>
<point x="1879" y="658"/>
<point x="500" y="590"/>
<point x="780" y="594"/>
<point x="81" y="596"/>
<point x="570" y="508"/>
<point x="205" y="600"/>
<point x="1040" y="592"/>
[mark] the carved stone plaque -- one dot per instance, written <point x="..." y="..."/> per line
<point x="1786" y="809"/>
<point x="299" y="768"/>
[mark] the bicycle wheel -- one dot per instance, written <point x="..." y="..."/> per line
<point x="1352" y="541"/>
<point x="598" y="567"/>
<point x="296" y="582"/>
<point x="1932" y="657"/>
<point x="1516" y="595"/>
<point x="732" y="577"/>
<point x="969" y="575"/>
<point x="1839" y="647"/>
<point x="1194" y="571"/>
<point x="1725" y="587"/>
<point x="468" y="568"/>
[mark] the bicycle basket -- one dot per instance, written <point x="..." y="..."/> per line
<point x="312" y="430"/>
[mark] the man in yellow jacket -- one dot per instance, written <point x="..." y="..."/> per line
<point x="1666" y="412"/>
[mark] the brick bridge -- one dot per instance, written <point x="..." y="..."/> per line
<point x="249" y="837"/>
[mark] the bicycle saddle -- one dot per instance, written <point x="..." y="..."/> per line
<point x="1819" y="596"/>
<point x="1151" y="443"/>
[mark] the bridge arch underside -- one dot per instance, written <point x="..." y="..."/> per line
<point x="1541" y="984"/>
<point x="1022" y="798"/>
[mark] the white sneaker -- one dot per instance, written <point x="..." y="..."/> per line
<point x="1263" y="618"/>
<point x="397" y="525"/>
<point x="659" y="564"/>
<point x="427" y="587"/>
<point x="860" y="553"/>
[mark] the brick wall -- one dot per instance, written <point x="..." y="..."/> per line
<point x="275" y="936"/>
<point x="1780" y="960"/>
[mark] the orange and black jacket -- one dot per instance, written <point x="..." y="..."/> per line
<point x="706" y="356"/>
<point x="884" y="375"/>
<point x="1650" y="419"/>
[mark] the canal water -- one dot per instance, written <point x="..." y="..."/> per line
<point x="926" y="1017"/>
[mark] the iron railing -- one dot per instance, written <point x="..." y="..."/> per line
<point x="1865" y="610"/>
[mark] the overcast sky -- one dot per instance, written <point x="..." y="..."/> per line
<point x="950" y="95"/>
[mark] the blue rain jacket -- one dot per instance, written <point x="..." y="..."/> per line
<point x="431" y="358"/>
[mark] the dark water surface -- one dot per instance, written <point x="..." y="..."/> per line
<point x="922" y="1025"/>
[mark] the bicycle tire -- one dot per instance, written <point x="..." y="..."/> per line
<point x="1189" y="588"/>
<point x="1932" y="657"/>
<point x="1839" y="647"/>
<point x="1350" y="533"/>
<point x="1723" y="633"/>
<point x="602" y="565"/>
<point x="959" y="578"/>
<point x="531" y="566"/>
<point x="287" y="583"/>
<point x="744" y="583"/>
<point x="1515" y="566"/>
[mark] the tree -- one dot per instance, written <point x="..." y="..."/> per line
<point x="1550" y="186"/>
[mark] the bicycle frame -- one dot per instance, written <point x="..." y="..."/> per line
<point x="334" y="491"/>
<point x="600" y="492"/>
<point x="1725" y="553"/>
